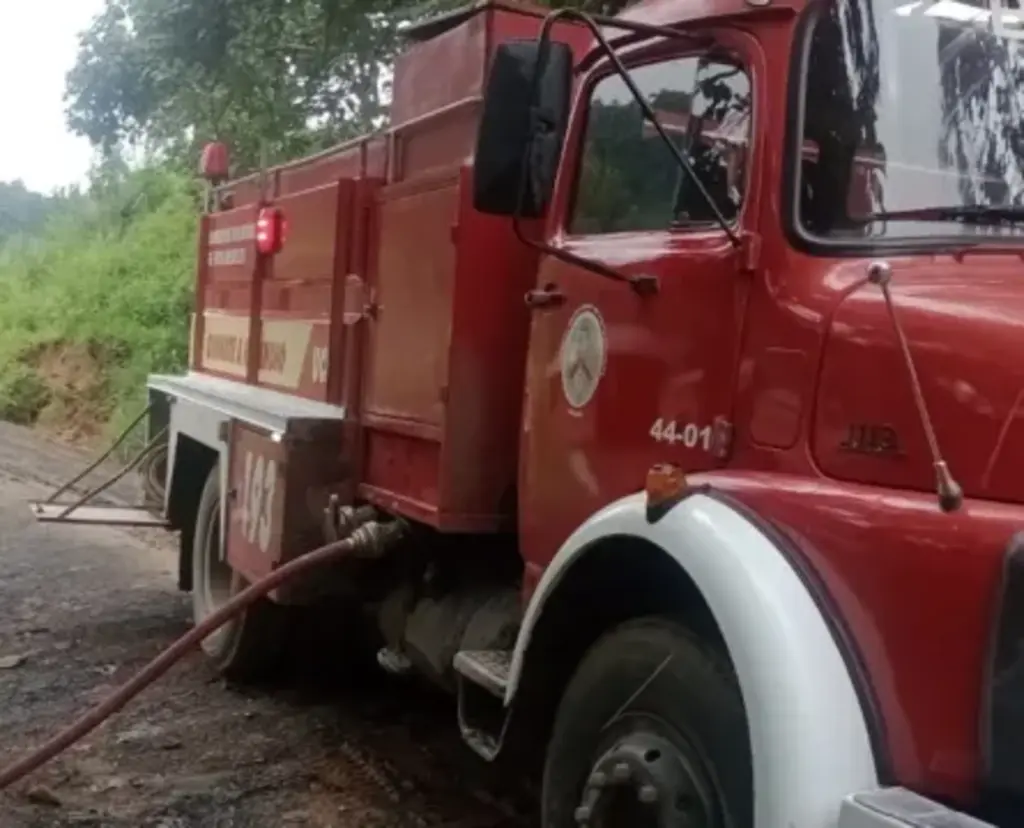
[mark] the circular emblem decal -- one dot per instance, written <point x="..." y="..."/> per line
<point x="584" y="351"/>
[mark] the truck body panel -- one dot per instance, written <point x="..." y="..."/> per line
<point x="435" y="379"/>
<point x="445" y="362"/>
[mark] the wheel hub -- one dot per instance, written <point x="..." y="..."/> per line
<point x="645" y="781"/>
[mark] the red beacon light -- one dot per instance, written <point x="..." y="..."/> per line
<point x="215" y="162"/>
<point x="271" y="228"/>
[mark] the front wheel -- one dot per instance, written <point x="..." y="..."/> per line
<point x="249" y="646"/>
<point x="651" y="733"/>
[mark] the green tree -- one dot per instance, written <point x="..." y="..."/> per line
<point x="290" y="74"/>
<point x="279" y="77"/>
<point x="21" y="210"/>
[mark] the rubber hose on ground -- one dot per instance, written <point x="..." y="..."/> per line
<point x="371" y="539"/>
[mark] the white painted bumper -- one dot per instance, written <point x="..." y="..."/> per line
<point x="900" y="808"/>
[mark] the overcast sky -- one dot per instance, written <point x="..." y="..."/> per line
<point x="38" y="41"/>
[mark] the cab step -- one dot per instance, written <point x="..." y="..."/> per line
<point x="901" y="808"/>
<point x="487" y="669"/>
<point x="482" y="677"/>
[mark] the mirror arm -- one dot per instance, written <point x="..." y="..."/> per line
<point x="643" y="285"/>
<point x="645" y="107"/>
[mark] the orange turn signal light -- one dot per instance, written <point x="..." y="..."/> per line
<point x="665" y="482"/>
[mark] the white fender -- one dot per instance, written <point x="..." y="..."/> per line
<point x="808" y="733"/>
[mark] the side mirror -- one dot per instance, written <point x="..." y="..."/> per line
<point x="522" y="128"/>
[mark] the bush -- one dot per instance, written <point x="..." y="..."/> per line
<point x="105" y="289"/>
<point x="23" y="394"/>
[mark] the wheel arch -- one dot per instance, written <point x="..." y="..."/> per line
<point x="714" y="565"/>
<point x="611" y="580"/>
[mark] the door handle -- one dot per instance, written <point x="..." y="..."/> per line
<point x="548" y="296"/>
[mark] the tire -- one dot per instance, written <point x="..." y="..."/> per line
<point x="678" y="726"/>
<point x="153" y="474"/>
<point x="250" y="646"/>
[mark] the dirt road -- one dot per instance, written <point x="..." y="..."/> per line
<point x="83" y="608"/>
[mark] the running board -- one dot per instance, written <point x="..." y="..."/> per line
<point x="46" y="512"/>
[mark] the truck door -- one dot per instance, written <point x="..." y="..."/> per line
<point x="617" y="381"/>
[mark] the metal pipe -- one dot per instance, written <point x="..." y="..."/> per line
<point x="349" y="143"/>
<point x="146" y="450"/>
<point x="121" y="438"/>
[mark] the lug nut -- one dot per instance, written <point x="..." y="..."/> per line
<point x="648" y="794"/>
<point x="621" y="772"/>
<point x="597" y="780"/>
<point x="583" y="814"/>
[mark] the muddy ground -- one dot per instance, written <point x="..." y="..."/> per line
<point x="82" y="608"/>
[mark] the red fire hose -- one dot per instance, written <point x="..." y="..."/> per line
<point x="367" y="540"/>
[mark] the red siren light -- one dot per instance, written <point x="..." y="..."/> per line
<point x="215" y="162"/>
<point x="271" y="228"/>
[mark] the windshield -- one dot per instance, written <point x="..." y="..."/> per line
<point x="909" y="105"/>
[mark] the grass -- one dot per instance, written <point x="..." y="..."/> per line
<point x="95" y="302"/>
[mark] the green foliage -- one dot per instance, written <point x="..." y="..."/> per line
<point x="96" y="286"/>
<point x="278" y="76"/>
<point x="23" y="394"/>
<point x="273" y="78"/>
<point x="99" y="300"/>
<point x="21" y="210"/>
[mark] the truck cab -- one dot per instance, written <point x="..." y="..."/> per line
<point x="796" y="355"/>
<point x="817" y="340"/>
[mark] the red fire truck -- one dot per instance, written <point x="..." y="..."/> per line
<point x="685" y="344"/>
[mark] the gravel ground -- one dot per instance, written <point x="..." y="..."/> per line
<point x="82" y="608"/>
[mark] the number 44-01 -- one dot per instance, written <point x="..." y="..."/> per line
<point x="690" y="435"/>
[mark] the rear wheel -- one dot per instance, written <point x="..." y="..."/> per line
<point x="651" y="733"/>
<point x="249" y="646"/>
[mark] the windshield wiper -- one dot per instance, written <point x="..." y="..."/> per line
<point x="964" y="213"/>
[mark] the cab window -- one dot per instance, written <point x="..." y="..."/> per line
<point x="910" y="123"/>
<point x="629" y="180"/>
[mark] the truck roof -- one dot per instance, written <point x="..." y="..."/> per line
<point x="652" y="12"/>
<point x="678" y="12"/>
